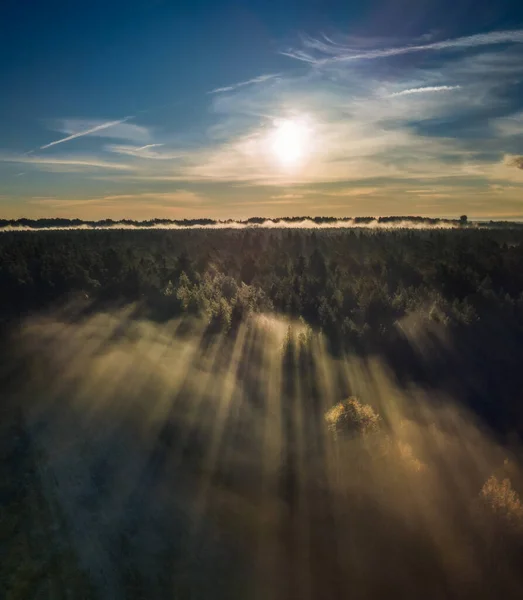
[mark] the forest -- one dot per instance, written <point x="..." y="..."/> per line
<point x="262" y="412"/>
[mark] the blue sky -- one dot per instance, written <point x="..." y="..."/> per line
<point x="150" y="108"/>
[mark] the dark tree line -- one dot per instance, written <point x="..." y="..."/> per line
<point x="355" y="283"/>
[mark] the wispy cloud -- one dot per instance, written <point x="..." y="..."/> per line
<point x="254" y="80"/>
<point x="320" y="51"/>
<point x="358" y="134"/>
<point x="511" y="125"/>
<point x="176" y="196"/>
<point x="179" y="196"/>
<point x="272" y="201"/>
<point x="143" y="151"/>
<point x="147" y="146"/>
<point x="341" y="147"/>
<point x="90" y="131"/>
<point x="425" y="90"/>
<point x="69" y="163"/>
<point x="352" y="191"/>
<point x="177" y="203"/>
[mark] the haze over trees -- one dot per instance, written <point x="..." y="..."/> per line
<point x="262" y="411"/>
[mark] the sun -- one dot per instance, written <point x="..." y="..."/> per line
<point x="290" y="142"/>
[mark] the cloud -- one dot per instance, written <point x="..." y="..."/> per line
<point x="143" y="205"/>
<point x="358" y="133"/>
<point x="254" y="80"/>
<point x="160" y="198"/>
<point x="96" y="129"/>
<point x="506" y="174"/>
<point x="160" y="177"/>
<point x="425" y="90"/>
<point x="509" y="126"/>
<point x="318" y="51"/>
<point x="341" y="147"/>
<point x="514" y="161"/>
<point x="64" y="163"/>
<point x="120" y="129"/>
<point x="287" y="196"/>
<point x="178" y="196"/>
<point x="272" y="201"/>
<point x="352" y="191"/>
<point x="147" y="146"/>
<point x="143" y="151"/>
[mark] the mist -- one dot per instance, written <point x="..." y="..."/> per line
<point x="254" y="463"/>
<point x="294" y="223"/>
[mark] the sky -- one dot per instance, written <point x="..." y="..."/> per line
<point x="226" y="109"/>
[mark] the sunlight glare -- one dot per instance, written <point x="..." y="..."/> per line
<point x="290" y="142"/>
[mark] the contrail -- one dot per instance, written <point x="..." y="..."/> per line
<point x="427" y="89"/>
<point x="234" y="86"/>
<point x="86" y="132"/>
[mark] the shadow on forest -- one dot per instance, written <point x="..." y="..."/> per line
<point x="189" y="463"/>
